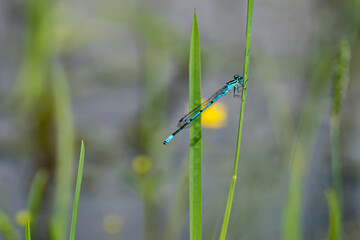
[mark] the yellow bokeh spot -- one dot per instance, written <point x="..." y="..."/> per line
<point x="142" y="164"/>
<point x="112" y="224"/>
<point x="215" y="116"/>
<point x="22" y="217"/>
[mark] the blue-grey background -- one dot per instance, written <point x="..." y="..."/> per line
<point x="126" y="66"/>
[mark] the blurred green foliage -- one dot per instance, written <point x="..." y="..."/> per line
<point x="334" y="217"/>
<point x="7" y="229"/>
<point x="57" y="63"/>
<point x="339" y="88"/>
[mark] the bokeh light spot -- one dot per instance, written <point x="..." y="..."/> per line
<point x="112" y="224"/>
<point x="22" y="217"/>
<point x="215" y="116"/>
<point x="141" y="164"/>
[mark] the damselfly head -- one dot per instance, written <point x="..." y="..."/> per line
<point x="238" y="78"/>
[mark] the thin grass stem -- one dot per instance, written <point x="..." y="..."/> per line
<point x="243" y="100"/>
<point x="77" y="192"/>
<point x="340" y="82"/>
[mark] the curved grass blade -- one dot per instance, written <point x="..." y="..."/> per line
<point x="36" y="195"/>
<point x="7" y="229"/>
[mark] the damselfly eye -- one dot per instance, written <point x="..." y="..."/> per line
<point x="236" y="76"/>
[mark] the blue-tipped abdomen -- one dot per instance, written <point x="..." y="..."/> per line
<point x="168" y="139"/>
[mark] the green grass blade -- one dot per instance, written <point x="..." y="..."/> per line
<point x="195" y="181"/>
<point x="340" y="82"/>
<point x="36" y="194"/>
<point x="27" y="231"/>
<point x="292" y="210"/>
<point x="7" y="229"/>
<point x="32" y="80"/>
<point x="64" y="154"/>
<point x="303" y="146"/>
<point x="243" y="100"/>
<point x="77" y="192"/>
<point x="334" y="217"/>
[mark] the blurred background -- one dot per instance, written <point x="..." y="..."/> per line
<point x="115" y="74"/>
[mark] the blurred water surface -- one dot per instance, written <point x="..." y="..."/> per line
<point x="125" y="64"/>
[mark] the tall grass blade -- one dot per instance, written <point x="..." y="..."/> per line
<point x="303" y="146"/>
<point x="31" y="85"/>
<point x="195" y="181"/>
<point x="340" y="82"/>
<point x="334" y="217"/>
<point x="243" y="100"/>
<point x="36" y="195"/>
<point x="7" y="229"/>
<point x="27" y="231"/>
<point x="77" y="192"/>
<point x="65" y="152"/>
<point x="292" y="214"/>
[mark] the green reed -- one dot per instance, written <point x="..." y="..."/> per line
<point x="340" y="83"/>
<point x="77" y="192"/>
<point x="240" y="128"/>
<point x="334" y="215"/>
<point x="64" y="153"/>
<point x="195" y="174"/>
<point x="27" y="231"/>
<point x="7" y="229"/>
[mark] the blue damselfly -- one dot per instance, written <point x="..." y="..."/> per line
<point x="186" y="121"/>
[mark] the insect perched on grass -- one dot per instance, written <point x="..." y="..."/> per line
<point x="185" y="121"/>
